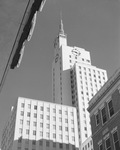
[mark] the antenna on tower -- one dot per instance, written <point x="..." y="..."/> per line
<point x="61" y="24"/>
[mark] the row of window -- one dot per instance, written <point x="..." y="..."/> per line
<point x="48" y="109"/>
<point x="48" y="145"/>
<point x="92" y="70"/>
<point x="41" y="117"/>
<point x="47" y="134"/>
<point x="47" y="125"/>
<point x="108" y="141"/>
<point x="104" y="114"/>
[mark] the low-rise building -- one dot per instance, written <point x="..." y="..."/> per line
<point x="104" y="111"/>
<point x="40" y="125"/>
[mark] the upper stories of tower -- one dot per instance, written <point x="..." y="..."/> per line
<point x="61" y="39"/>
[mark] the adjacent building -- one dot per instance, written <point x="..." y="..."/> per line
<point x="40" y="125"/>
<point x="75" y="80"/>
<point x="104" y="111"/>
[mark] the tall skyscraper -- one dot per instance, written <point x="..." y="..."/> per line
<point x="75" y="80"/>
<point x="39" y="125"/>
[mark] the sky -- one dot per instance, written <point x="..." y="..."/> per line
<point x="90" y="24"/>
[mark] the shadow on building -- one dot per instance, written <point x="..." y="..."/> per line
<point x="42" y="144"/>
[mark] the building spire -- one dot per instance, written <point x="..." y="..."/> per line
<point x="61" y="28"/>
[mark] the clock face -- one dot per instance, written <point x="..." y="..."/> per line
<point x="76" y="52"/>
<point x="56" y="58"/>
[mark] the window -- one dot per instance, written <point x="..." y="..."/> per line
<point x="73" y="138"/>
<point x="54" y="118"/>
<point x="35" y="115"/>
<point x="22" y="104"/>
<point x="41" y="133"/>
<point x="110" y="108"/>
<point x="35" y="107"/>
<point x="54" y="144"/>
<point x="104" y="117"/>
<point x="60" y="145"/>
<point x="54" y="135"/>
<point x="34" y="132"/>
<point x="21" y="121"/>
<point x="60" y="127"/>
<point x="54" y="126"/>
<point x="28" y="122"/>
<point x="41" y="116"/>
<point x="107" y="144"/>
<point x="97" y="119"/>
<point x="60" y="111"/>
<point x="60" y="119"/>
<point x="20" y="140"/>
<point x="72" y="121"/>
<point x="41" y="124"/>
<point x="54" y="110"/>
<point x="35" y="124"/>
<point x="67" y="146"/>
<point x="100" y="146"/>
<point x="27" y="131"/>
<point x="66" y="120"/>
<point x="116" y="141"/>
<point x="47" y="135"/>
<point x="47" y="143"/>
<point x="66" y="128"/>
<point x="48" y="109"/>
<point x="20" y="130"/>
<point x="41" y="108"/>
<point x="28" y="114"/>
<point x="40" y="143"/>
<point x="22" y="113"/>
<point x="48" y="117"/>
<point x="48" y="126"/>
<point x="29" y="106"/>
<point x="33" y="142"/>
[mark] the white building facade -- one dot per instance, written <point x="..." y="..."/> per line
<point x="39" y="125"/>
<point x="75" y="80"/>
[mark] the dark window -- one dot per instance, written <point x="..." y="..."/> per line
<point x="47" y="143"/>
<point x="67" y="146"/>
<point x="54" y="144"/>
<point x="100" y="146"/>
<point x="107" y="144"/>
<point x="35" y="115"/>
<point x="40" y="143"/>
<point x="97" y="119"/>
<point x="28" y="114"/>
<point x="35" y="107"/>
<point x="104" y="117"/>
<point x="60" y="145"/>
<point x="110" y="107"/>
<point x="116" y="141"/>
<point x="33" y="142"/>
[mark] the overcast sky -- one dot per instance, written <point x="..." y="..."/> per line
<point x="91" y="24"/>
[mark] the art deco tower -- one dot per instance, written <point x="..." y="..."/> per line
<point x="75" y="80"/>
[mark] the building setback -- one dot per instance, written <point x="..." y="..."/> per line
<point x="75" y="80"/>
<point x="39" y="125"/>
<point x="104" y="111"/>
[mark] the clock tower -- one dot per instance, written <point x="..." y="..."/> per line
<point x="75" y="81"/>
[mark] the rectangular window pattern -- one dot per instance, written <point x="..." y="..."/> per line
<point x="116" y="141"/>
<point x="110" y="108"/>
<point x="107" y="144"/>
<point x="104" y="117"/>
